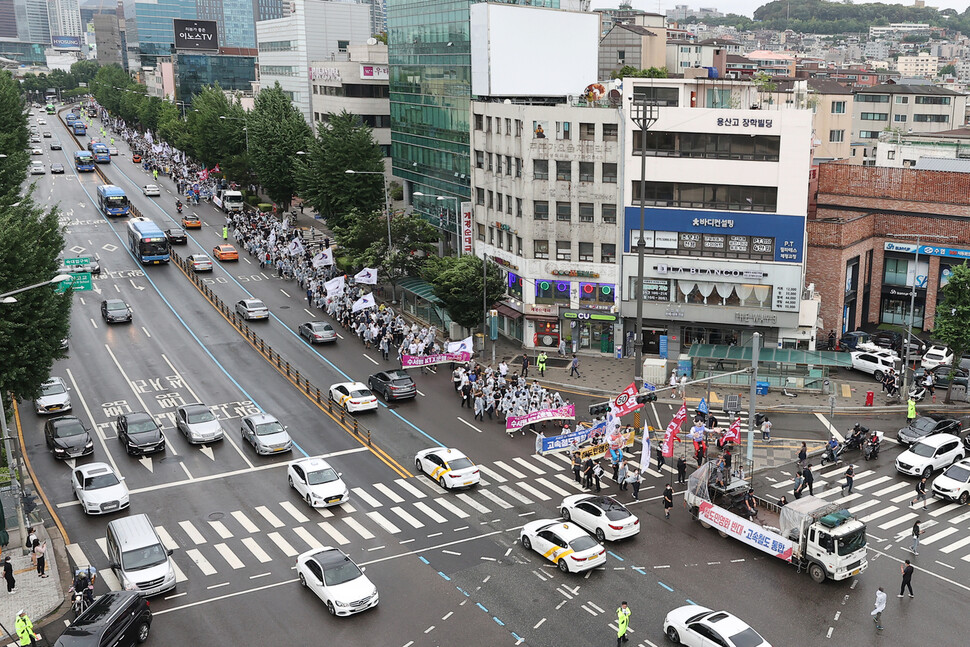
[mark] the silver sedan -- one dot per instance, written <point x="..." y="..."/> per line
<point x="265" y="433"/>
<point x="198" y="424"/>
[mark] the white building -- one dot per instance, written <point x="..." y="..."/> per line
<point x="900" y="28"/>
<point x="316" y="30"/>
<point x="725" y="204"/>
<point x="65" y="17"/>
<point x="920" y="65"/>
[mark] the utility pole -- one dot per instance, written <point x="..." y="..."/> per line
<point x="753" y="393"/>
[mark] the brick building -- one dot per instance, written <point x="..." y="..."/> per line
<point x="864" y="274"/>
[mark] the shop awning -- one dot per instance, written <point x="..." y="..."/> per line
<point x="780" y="355"/>
<point x="508" y="312"/>
<point x="419" y="287"/>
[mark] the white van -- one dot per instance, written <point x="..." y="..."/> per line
<point x="138" y="557"/>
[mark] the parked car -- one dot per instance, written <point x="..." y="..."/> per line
<point x="54" y="397"/>
<point x="936" y="356"/>
<point x="67" y="437"/>
<point x="941" y="376"/>
<point x="876" y="363"/>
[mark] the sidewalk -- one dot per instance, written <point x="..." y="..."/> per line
<point x="39" y="597"/>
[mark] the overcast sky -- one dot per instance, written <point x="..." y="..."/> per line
<point x="747" y="7"/>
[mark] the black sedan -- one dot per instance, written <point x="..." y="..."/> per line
<point x="67" y="437"/>
<point x="57" y="167"/>
<point x="115" y="311"/>
<point x="925" y="426"/>
<point x="140" y="433"/>
<point x="393" y="385"/>
<point x="176" y="236"/>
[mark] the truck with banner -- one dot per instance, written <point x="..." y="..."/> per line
<point x="228" y="201"/>
<point x="816" y="536"/>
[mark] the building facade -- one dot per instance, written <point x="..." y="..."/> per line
<point x="920" y="65"/>
<point x="195" y="71"/>
<point x="831" y="104"/>
<point x="107" y="37"/>
<point x="32" y="20"/>
<point x="149" y="31"/>
<point x="236" y="19"/>
<point x="65" y="18"/>
<point x="641" y="42"/>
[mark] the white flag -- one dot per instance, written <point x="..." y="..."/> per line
<point x="366" y="301"/>
<point x="366" y="275"/>
<point x="324" y="258"/>
<point x="335" y="287"/>
<point x="295" y="248"/>
<point x="459" y="346"/>
<point x="271" y="241"/>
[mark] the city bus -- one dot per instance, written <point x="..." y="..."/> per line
<point x="101" y="153"/>
<point x="70" y="118"/>
<point x="79" y="127"/>
<point x="83" y="161"/>
<point x="50" y="108"/>
<point x="112" y="200"/>
<point x="147" y="242"/>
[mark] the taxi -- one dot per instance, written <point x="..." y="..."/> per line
<point x="449" y="467"/>
<point x="136" y="158"/>
<point x="225" y="253"/>
<point x="564" y="544"/>
<point x="353" y="396"/>
<point x="191" y="221"/>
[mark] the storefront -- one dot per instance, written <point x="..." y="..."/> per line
<point x="510" y="322"/>
<point x="899" y="274"/>
<point x="542" y="324"/>
<point x="590" y="329"/>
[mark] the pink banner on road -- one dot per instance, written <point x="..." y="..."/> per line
<point x="562" y="413"/>
<point x="408" y="361"/>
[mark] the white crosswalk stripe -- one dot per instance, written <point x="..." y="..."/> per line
<point x="937" y="536"/>
<point x="472" y="503"/>
<point x="450" y="507"/>
<point x="245" y="522"/>
<point x="200" y="561"/>
<point x="383" y="522"/>
<point x="410" y="489"/>
<point x="493" y="476"/>
<point x="335" y="534"/>
<point x="865" y="485"/>
<point x="358" y="528"/>
<point x="534" y="492"/>
<point x="494" y="498"/>
<point x="265" y="513"/>
<point x="166" y="538"/>
<point x="310" y="540"/>
<point x="527" y="465"/>
<point x="511" y="470"/>
<point x="898" y="521"/>
<point x="515" y="495"/>
<point x="554" y="488"/>
<point x="388" y="492"/>
<point x="892" y="488"/>
<point x="408" y="519"/>
<point x="229" y="556"/>
<point x="257" y="552"/>
<point x="283" y="545"/>
<point x="220" y="529"/>
<point x="293" y="512"/>
<point x="423" y="507"/>
<point x="877" y="514"/>
<point x="549" y="464"/>
<point x="949" y="548"/>
<point x="194" y="535"/>
<point x="362" y="494"/>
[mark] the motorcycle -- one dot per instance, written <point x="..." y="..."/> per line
<point x="178" y="206"/>
<point x="857" y="437"/>
<point x="871" y="449"/>
<point x="831" y="454"/>
<point x="917" y="393"/>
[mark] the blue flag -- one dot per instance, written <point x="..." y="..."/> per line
<point x="702" y="407"/>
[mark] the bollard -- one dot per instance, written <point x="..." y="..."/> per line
<point x="356" y="429"/>
<point x="318" y="395"/>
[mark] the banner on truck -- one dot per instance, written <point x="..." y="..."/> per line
<point x="749" y="532"/>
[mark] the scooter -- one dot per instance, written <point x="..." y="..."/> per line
<point x="831" y="454"/>
<point x="857" y="437"/>
<point x="178" y="206"/>
<point x="871" y="450"/>
<point x="917" y="393"/>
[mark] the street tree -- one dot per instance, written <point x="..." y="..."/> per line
<point x="355" y="234"/>
<point x="210" y="139"/>
<point x="277" y="130"/>
<point x="343" y="143"/>
<point x="105" y="86"/>
<point x="14" y="138"/>
<point x="952" y="315"/>
<point x="459" y="282"/>
<point x="84" y="71"/>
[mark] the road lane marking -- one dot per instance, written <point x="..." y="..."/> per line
<point x="144" y="407"/>
<point x="293" y="512"/>
<point x="194" y="535"/>
<point x="508" y="468"/>
<point x="949" y="548"/>
<point x="87" y="410"/>
<point x="472" y="503"/>
<point x="358" y="528"/>
<point x="423" y="507"/>
<point x="414" y="523"/>
<point x="515" y="495"/>
<point x="493" y="476"/>
<point x="80" y="559"/>
<point x="269" y="516"/>
<point x="310" y="540"/>
<point x="245" y="522"/>
<point x="935" y="537"/>
<point x="898" y="521"/>
<point x="367" y="498"/>
<point x="283" y="545"/>
<point x="450" y="507"/>
<point x="200" y="561"/>
<point x="495" y="499"/>
<point x="221" y="529"/>
<point x="371" y="359"/>
<point x="558" y="490"/>
<point x="388" y="492"/>
<point x="335" y="534"/>
<point x="410" y="489"/>
<point x="534" y="492"/>
<point x="527" y="465"/>
<point x="166" y="538"/>
<point x="383" y="522"/>
<point x="257" y="552"/>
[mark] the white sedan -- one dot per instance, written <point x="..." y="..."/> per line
<point x="603" y="516"/>
<point x="151" y="189"/>
<point x="317" y="482"/>
<point x="564" y="544"/>
<point x="353" y="396"/>
<point x="337" y="580"/>
<point x="450" y="467"/>
<point x="99" y="489"/>
<point x="36" y="151"/>
<point x="697" y="626"/>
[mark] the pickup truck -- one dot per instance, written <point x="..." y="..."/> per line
<point x="816" y="536"/>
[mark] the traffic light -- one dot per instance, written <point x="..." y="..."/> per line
<point x="646" y="397"/>
<point x="600" y="409"/>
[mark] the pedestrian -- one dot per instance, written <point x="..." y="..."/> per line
<point x="31" y="536"/>
<point x="880" y="607"/>
<point x="766" y="430"/>
<point x="916" y="533"/>
<point x="574" y="366"/>
<point x="577" y="467"/>
<point x="8" y="575"/>
<point x="910" y="410"/>
<point x="660" y="458"/>
<point x="541" y="363"/>
<point x="849" y="479"/>
<point x="615" y="464"/>
<point x="668" y="500"/>
<point x="907" y="570"/>
<point x="681" y="470"/>
<point x="799" y="484"/>
<point x="622" y="474"/>
<point x="920" y="493"/>
<point x="25" y="629"/>
<point x="673" y="381"/>
<point x="683" y="386"/>
<point x="622" y="623"/>
<point x="40" y="557"/>
<point x="588" y="474"/>
<point x="809" y="479"/>
<point x="726" y="457"/>
<point x="525" y="365"/>
<point x="931" y="385"/>
<point x="803" y="455"/>
<point x="635" y="480"/>
<point x="597" y="474"/>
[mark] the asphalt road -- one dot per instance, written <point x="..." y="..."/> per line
<point x="448" y="564"/>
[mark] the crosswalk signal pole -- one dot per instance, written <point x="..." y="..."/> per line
<point x="753" y="393"/>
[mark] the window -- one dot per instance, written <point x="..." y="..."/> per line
<point x="868" y="134"/>
<point x="518" y="127"/>
<point x="498" y="202"/>
<point x="500" y="236"/>
<point x="608" y="253"/>
<point x="518" y="245"/>
<point x="587" y="171"/>
<point x="707" y="196"/>
<point x="936" y="101"/>
<point x="931" y="119"/>
<point x="479" y="122"/>
<point x="562" y="129"/>
<point x="488" y="124"/>
<point x="508" y="126"/>
<point x="540" y="209"/>
<point x="891" y="154"/>
<point x="564" y="171"/>
<point x="899" y="118"/>
<point x="479" y="159"/>
<point x="518" y="167"/>
<point x="708" y="145"/>
<point x="718" y="98"/>
<point x="875" y="98"/>
<point x="838" y="107"/>
<point x="498" y="164"/>
<point x="540" y="169"/>
<point x="895" y="271"/>
<point x="518" y="207"/>
<point x="552" y="292"/>
<point x="609" y="173"/>
<point x="660" y="96"/>
<point x="609" y="132"/>
<point x="609" y="214"/>
<point x="508" y="165"/>
<point x="836" y="136"/>
<point x="480" y="197"/>
<point x="491" y="200"/>
<point x="498" y="131"/>
<point x="587" y="132"/>
<point x="540" y="249"/>
<point x="342" y="45"/>
<point x="481" y="232"/>
<point x="488" y="156"/>
<point x="491" y="235"/>
<point x="564" y="250"/>
<point x="586" y="212"/>
<point x="875" y="116"/>
<point x="621" y="56"/>
<point x="564" y="211"/>
<point x="900" y="99"/>
<point x="586" y="252"/>
<point x="508" y="205"/>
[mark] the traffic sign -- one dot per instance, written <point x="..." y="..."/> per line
<point x="80" y="260"/>
<point x="77" y="282"/>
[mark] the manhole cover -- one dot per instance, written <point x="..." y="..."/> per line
<point x="216" y="516"/>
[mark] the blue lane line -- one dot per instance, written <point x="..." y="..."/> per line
<point x="689" y="601"/>
<point x="516" y="636"/>
<point x="463" y="592"/>
<point x="479" y="605"/>
<point x="610" y="552"/>
<point x="665" y="586"/>
<point x="447" y="579"/>
<point x="640" y="571"/>
<point x="423" y="559"/>
<point x="498" y="622"/>
<point x="416" y="428"/>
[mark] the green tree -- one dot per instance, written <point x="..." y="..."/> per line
<point x="106" y="84"/>
<point x="345" y="142"/>
<point x="209" y="138"/>
<point x="948" y="70"/>
<point x="458" y="282"/>
<point x="952" y="315"/>
<point x="14" y="139"/>
<point x="84" y="71"/>
<point x="277" y="130"/>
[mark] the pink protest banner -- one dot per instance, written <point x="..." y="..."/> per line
<point x="409" y="361"/>
<point x="562" y="413"/>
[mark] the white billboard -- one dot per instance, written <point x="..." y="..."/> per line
<point x="532" y="52"/>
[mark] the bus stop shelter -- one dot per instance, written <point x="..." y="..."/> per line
<point x="780" y="367"/>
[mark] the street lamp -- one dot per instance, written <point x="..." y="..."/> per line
<point x="245" y="128"/>
<point x="441" y="198"/>
<point x="8" y="298"/>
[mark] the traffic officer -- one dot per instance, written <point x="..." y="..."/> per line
<point x="622" y="623"/>
<point x="225" y="232"/>
<point x="541" y="362"/>
<point x="25" y="629"/>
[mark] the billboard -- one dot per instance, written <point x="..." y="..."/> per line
<point x="467" y="232"/>
<point x="197" y="35"/>
<point x="66" y="42"/>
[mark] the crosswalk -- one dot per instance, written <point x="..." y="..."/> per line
<point x="882" y="501"/>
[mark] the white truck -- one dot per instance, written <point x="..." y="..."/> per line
<point x="813" y="534"/>
<point x="228" y="200"/>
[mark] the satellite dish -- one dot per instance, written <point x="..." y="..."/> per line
<point x="371" y="41"/>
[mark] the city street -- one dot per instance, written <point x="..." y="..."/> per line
<point x="448" y="565"/>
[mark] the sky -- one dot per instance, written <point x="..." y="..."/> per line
<point x="747" y="7"/>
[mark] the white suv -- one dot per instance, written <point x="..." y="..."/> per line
<point x="875" y="362"/>
<point x="937" y="356"/>
<point x="932" y="453"/>
<point x="954" y="483"/>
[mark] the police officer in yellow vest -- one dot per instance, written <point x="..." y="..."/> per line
<point x="25" y="629"/>
<point x="622" y="623"/>
<point x="541" y="362"/>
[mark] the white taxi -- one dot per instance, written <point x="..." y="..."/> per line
<point x="603" y="516"/>
<point x="564" y="544"/>
<point x="317" y="482"/>
<point x="353" y="396"/>
<point x="450" y="467"/>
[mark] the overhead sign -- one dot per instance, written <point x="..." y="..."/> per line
<point x="79" y="260"/>
<point x="197" y="35"/>
<point x="66" y="42"/>
<point x="78" y="282"/>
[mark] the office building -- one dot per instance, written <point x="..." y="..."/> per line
<point x="8" y="20"/>
<point x="378" y="17"/>
<point x="194" y="71"/>
<point x="236" y="19"/>
<point x="64" y="17"/>
<point x="316" y="30"/>
<point x="33" y="21"/>
<point x="149" y="30"/>
<point x="108" y="40"/>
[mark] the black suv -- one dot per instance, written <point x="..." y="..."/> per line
<point x="119" y="619"/>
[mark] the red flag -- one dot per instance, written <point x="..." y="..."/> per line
<point x="215" y="169"/>
<point x="626" y="401"/>
<point x="673" y="429"/>
<point x="734" y="432"/>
